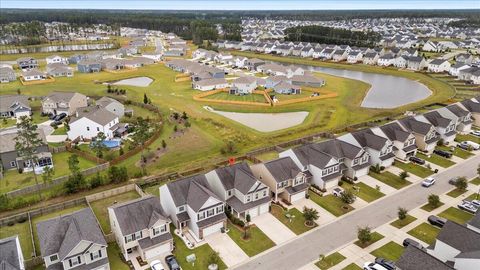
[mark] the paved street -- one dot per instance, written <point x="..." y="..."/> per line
<point x="306" y="248"/>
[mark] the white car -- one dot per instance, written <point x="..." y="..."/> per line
<point x="475" y="133"/>
<point x="373" y="266"/>
<point x="473" y="145"/>
<point x="337" y="192"/>
<point x="476" y="203"/>
<point x="157" y="265"/>
<point x="428" y="182"/>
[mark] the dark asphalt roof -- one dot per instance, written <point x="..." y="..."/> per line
<point x="416" y="126"/>
<point x="366" y="138"/>
<point x="282" y="169"/>
<point x="394" y="132"/>
<point x="471" y="106"/>
<point x="475" y="221"/>
<point x="460" y="237"/>
<point x="455" y="109"/>
<point x="8" y="253"/>
<point x="437" y="120"/>
<point x="238" y="176"/>
<point x="414" y="258"/>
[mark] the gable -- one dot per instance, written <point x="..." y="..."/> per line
<point x="210" y="202"/>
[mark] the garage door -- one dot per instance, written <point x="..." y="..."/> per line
<point x="362" y="172"/>
<point x="264" y="208"/>
<point x="298" y="196"/>
<point x="157" y="251"/>
<point x="331" y="184"/>
<point x="253" y="212"/>
<point x="212" y="229"/>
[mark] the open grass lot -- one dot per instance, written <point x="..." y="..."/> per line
<point x="429" y="208"/>
<point x="364" y="192"/>
<point x="413" y="168"/>
<point x="115" y="257"/>
<point x="352" y="266"/>
<point x="390" y="251"/>
<point x="456" y="192"/>
<point x="425" y="232"/>
<point x="330" y="261"/>
<point x="331" y="203"/>
<point x="226" y="96"/>
<point x="13" y="180"/>
<point x="296" y="222"/>
<point x="41" y="218"/>
<point x="456" y="151"/>
<point x="475" y="181"/>
<point x="23" y="232"/>
<point x="457" y="215"/>
<point x="257" y="241"/>
<point x="402" y="223"/>
<point x="202" y="254"/>
<point x="100" y="207"/>
<point x="467" y="137"/>
<point x="375" y="237"/>
<point x="436" y="159"/>
<point x="390" y="179"/>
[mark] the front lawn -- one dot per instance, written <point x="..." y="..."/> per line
<point x="60" y="131"/>
<point x="436" y="159"/>
<point x="474" y="196"/>
<point x="456" y="192"/>
<point x="475" y="181"/>
<point x="425" y="232"/>
<point x="100" y="207"/>
<point x="257" y="241"/>
<point x="467" y="137"/>
<point x="429" y="208"/>
<point x="330" y="261"/>
<point x="23" y="232"/>
<point x="413" y="168"/>
<point x="402" y="223"/>
<point x="352" y="266"/>
<point x="331" y="203"/>
<point x="457" y="215"/>
<point x="390" y="179"/>
<point x="296" y="222"/>
<point x="375" y="237"/>
<point x="115" y="257"/>
<point x="365" y="192"/>
<point x="456" y="151"/>
<point x="390" y="251"/>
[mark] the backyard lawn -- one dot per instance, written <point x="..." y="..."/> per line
<point x="436" y="159"/>
<point x="456" y="192"/>
<point x="296" y="222"/>
<point x="267" y="156"/>
<point x="390" y="251"/>
<point x="375" y="237"/>
<point x="413" y="168"/>
<point x="153" y="190"/>
<point x="457" y="215"/>
<point x="425" y="232"/>
<point x="456" y="151"/>
<point x="402" y="223"/>
<point x="23" y="232"/>
<point x="330" y="261"/>
<point x="352" y="266"/>
<point x="365" y="192"/>
<point x="257" y="241"/>
<point x="390" y="179"/>
<point x="114" y="257"/>
<point x="226" y="96"/>
<point x="331" y="203"/>
<point x="100" y="207"/>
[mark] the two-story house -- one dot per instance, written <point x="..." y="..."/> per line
<point x="444" y="126"/>
<point x="474" y="108"/>
<point x="14" y="106"/>
<point x="461" y="117"/>
<point x="11" y="256"/>
<point x="73" y="241"/>
<point x="193" y="207"/>
<point x="111" y="105"/>
<point x="426" y="136"/>
<point x="240" y="189"/>
<point x="63" y="102"/>
<point x="27" y="63"/>
<point x="89" y="121"/>
<point x="141" y="228"/>
<point x="403" y="141"/>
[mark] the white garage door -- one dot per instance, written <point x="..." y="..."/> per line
<point x="362" y="172"/>
<point x="331" y="184"/>
<point x="212" y="229"/>
<point x="298" y="196"/>
<point x="253" y="212"/>
<point x="165" y="248"/>
<point x="264" y="208"/>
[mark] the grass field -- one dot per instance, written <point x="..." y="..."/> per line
<point x="268" y="156"/>
<point x="412" y="168"/>
<point x="226" y="96"/>
<point x="390" y="251"/>
<point x="425" y="232"/>
<point x="436" y="159"/>
<point x="114" y="257"/>
<point x="390" y="179"/>
<point x="467" y="137"/>
<point x="330" y="261"/>
<point x="402" y="223"/>
<point x="296" y="223"/>
<point x="331" y="203"/>
<point x="475" y="181"/>
<point x="457" y="215"/>
<point x="257" y="241"/>
<point x="456" y="192"/>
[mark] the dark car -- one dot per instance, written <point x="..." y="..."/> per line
<point x="408" y="241"/>
<point x="437" y="221"/>
<point x="385" y="263"/>
<point x="462" y="146"/>
<point x="172" y="262"/>
<point x="442" y="153"/>
<point x="453" y="181"/>
<point x="417" y="160"/>
<point x="59" y="117"/>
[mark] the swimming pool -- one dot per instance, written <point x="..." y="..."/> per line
<point x="109" y="143"/>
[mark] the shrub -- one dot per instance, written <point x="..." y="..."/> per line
<point x="461" y="184"/>
<point x="22" y="220"/>
<point x="382" y="168"/>
<point x="434" y="200"/>
<point x="347" y="196"/>
<point x="96" y="181"/>
<point x="340" y="183"/>
<point x="402" y="213"/>
<point x="403" y="175"/>
<point x="364" y="234"/>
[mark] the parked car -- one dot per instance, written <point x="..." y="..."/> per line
<point x="468" y="206"/>
<point x="453" y="181"/>
<point x="172" y="262"/>
<point x="475" y="133"/>
<point x="470" y="144"/>
<point x="373" y="266"/>
<point x="157" y="265"/>
<point x="337" y="191"/>
<point x="417" y="160"/>
<point x="463" y="146"/>
<point x="59" y="117"/>
<point x="476" y="203"/>
<point x="428" y="182"/>
<point x="409" y="241"/>
<point x="442" y="153"/>
<point x="436" y="221"/>
<point x="385" y="263"/>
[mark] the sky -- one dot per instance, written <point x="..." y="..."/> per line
<point x="243" y="5"/>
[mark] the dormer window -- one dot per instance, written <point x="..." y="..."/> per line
<point x="159" y="230"/>
<point x="181" y="209"/>
<point x="53" y="258"/>
<point x="96" y="255"/>
<point x="229" y="193"/>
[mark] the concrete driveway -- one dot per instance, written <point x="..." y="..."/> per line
<point x="230" y="252"/>
<point x="273" y="228"/>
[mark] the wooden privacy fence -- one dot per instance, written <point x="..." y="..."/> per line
<point x="201" y="97"/>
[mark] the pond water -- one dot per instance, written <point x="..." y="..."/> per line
<point x="137" y="81"/>
<point x="265" y="122"/>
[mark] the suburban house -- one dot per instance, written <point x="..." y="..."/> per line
<point x="74" y="59"/>
<point x="59" y="70"/>
<point x="193" y="207"/>
<point x="370" y="58"/>
<point x="403" y="141"/>
<point x="455" y="69"/>
<point x="416" y="63"/>
<point x="27" y="63"/>
<point x="11" y="256"/>
<point x="461" y="117"/>
<point x="457" y="246"/>
<point x="465" y="58"/>
<point x="339" y="55"/>
<point x="11" y="160"/>
<point x="439" y="65"/>
<point x="73" y="241"/>
<point x="254" y="63"/>
<point x="14" y="106"/>
<point x="474" y="108"/>
<point x="89" y="121"/>
<point x="7" y="75"/>
<point x="56" y="59"/>
<point x="210" y="84"/>
<point x="287" y="88"/>
<point x="401" y="61"/>
<point x="111" y="105"/>
<point x="386" y="60"/>
<point x="63" y="102"/>
<point x="33" y="75"/>
<point x="243" y="86"/>
<point x="327" y="54"/>
<point x="113" y="64"/>
<point x="444" y="126"/>
<point x="141" y="228"/>
<point x="243" y="193"/>
<point x="414" y="258"/>
<point x="426" y="136"/>
<point x="89" y="66"/>
<point x="307" y="80"/>
<point x="354" y="57"/>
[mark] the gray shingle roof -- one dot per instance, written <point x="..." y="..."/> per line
<point x="475" y="221"/>
<point x="471" y="106"/>
<point x="395" y="132"/>
<point x="414" y="258"/>
<point x="9" y="257"/>
<point x="97" y="114"/>
<point x="465" y="240"/>
<point x="282" y="169"/>
<point x="238" y="176"/>
<point x="8" y="135"/>
<point x="437" y="119"/>
<point x="455" y="109"/>
<point x="12" y="102"/>
<point x="416" y="126"/>
<point x="366" y="138"/>
<point x="308" y="154"/>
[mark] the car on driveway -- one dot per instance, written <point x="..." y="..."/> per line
<point x="475" y="133"/>
<point x="428" y="182"/>
<point x="463" y="146"/>
<point x="157" y="265"/>
<point x="59" y="117"/>
<point x="442" y="153"/>
<point x="470" y="144"/>
<point x="172" y="262"/>
<point x="385" y="263"/>
<point x="409" y="241"/>
<point x="417" y="160"/>
<point x="468" y="206"/>
<point x="337" y="192"/>
<point x="476" y="203"/>
<point x="373" y="266"/>
<point x="436" y="221"/>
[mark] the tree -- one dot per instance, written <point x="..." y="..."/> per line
<point x="27" y="142"/>
<point x="145" y="98"/>
<point x="176" y="115"/>
<point x="213" y="258"/>
<point x="364" y="234"/>
<point x="99" y="145"/>
<point x="73" y="164"/>
<point x="310" y="215"/>
<point x="47" y="175"/>
<point x="403" y="175"/>
<point x="229" y="148"/>
<point x="117" y="174"/>
<point x="347" y="196"/>
<point x="402" y="213"/>
<point x="140" y="137"/>
<point x="96" y="181"/>
<point x="461" y="184"/>
<point x="187" y="124"/>
<point x="76" y="181"/>
<point x="434" y="200"/>
<point x="245" y="230"/>
<point x="164" y="144"/>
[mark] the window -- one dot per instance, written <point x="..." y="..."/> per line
<point x="201" y="215"/>
<point x="229" y="193"/>
<point x="249" y="198"/>
<point x="158" y="230"/>
<point x="54" y="258"/>
<point x="75" y="261"/>
<point x="256" y="196"/>
<point x="98" y="129"/>
<point x="181" y="209"/>
<point x="88" y="128"/>
<point x="13" y="164"/>
<point x="264" y="193"/>
<point x="138" y="235"/>
<point x="96" y="255"/>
